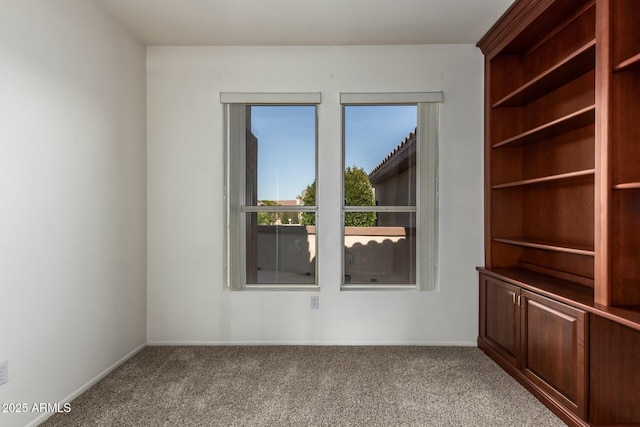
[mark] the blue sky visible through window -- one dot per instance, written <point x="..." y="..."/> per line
<point x="286" y="143"/>
<point x="372" y="132"/>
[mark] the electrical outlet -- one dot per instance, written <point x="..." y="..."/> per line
<point x="315" y="302"/>
<point x="4" y="371"/>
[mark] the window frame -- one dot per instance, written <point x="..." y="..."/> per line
<point x="426" y="206"/>
<point x="235" y="208"/>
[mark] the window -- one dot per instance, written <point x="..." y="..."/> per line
<point x="270" y="177"/>
<point x="390" y="190"/>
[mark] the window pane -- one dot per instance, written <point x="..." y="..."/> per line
<point x="383" y="254"/>
<point x="280" y="250"/>
<point x="280" y="153"/>
<point x="380" y="145"/>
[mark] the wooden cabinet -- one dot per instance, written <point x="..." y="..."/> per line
<point x="542" y="342"/>
<point x="500" y="318"/>
<point x="554" y="350"/>
<point x="562" y="205"/>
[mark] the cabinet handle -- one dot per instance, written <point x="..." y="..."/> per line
<point x="517" y="299"/>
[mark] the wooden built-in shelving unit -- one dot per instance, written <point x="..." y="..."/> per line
<point x="562" y="205"/>
<point x="541" y="136"/>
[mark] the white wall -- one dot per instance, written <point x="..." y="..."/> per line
<point x="186" y="300"/>
<point x="73" y="198"/>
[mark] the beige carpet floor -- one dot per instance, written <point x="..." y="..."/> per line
<point x="300" y="386"/>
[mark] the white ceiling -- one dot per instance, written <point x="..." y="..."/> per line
<point x="306" y="22"/>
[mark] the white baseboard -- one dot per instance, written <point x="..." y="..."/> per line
<point x="346" y="344"/>
<point x="88" y="385"/>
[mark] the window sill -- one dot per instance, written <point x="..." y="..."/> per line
<point x="278" y="288"/>
<point x="378" y="287"/>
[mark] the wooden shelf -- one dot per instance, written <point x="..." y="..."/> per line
<point x="573" y="121"/>
<point x="578" y="63"/>
<point x="627" y="186"/>
<point x="631" y="64"/>
<point x="547" y="179"/>
<point x="547" y="246"/>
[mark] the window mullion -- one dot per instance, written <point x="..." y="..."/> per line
<point x="301" y="208"/>
<point x="380" y="208"/>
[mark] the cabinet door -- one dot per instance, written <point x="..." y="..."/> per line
<point x="554" y="344"/>
<point x="500" y="318"/>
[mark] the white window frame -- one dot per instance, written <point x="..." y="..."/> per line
<point x="234" y="104"/>
<point x="426" y="208"/>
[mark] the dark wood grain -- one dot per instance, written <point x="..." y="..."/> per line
<point x="518" y="17"/>
<point x="506" y="76"/>
<point x="567" y="69"/>
<point x="557" y="289"/>
<point x="572" y="151"/>
<point x="505" y="256"/>
<point x="625" y="37"/>
<point x="501" y="316"/>
<point x="624" y="125"/>
<point x="554" y="349"/>
<point x="585" y="279"/>
<point x="614" y="374"/>
<point x="631" y="64"/>
<point x="540" y="118"/>
<point x="574" y="120"/>
<point x="506" y="212"/>
<point x="558" y="110"/>
<point x="548" y="179"/>
<point x="625" y="248"/>
<point x="562" y="191"/>
<point x="546" y="245"/>
<point x="488" y="255"/>
<point x="558" y="264"/>
<point x="560" y="212"/>
<point x="565" y="153"/>
<point x="626" y="186"/>
<point x="572" y="34"/>
<point x="567" y="292"/>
